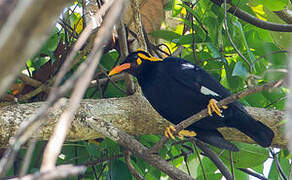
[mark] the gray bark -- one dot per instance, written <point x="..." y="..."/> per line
<point x="132" y="114"/>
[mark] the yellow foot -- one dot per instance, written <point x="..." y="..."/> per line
<point x="212" y="107"/>
<point x="168" y="133"/>
<point x="188" y="133"/>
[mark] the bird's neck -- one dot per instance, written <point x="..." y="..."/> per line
<point x="146" y="73"/>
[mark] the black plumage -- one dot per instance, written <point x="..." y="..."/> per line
<point x="178" y="89"/>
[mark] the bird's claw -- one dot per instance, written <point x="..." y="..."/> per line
<point x="188" y="133"/>
<point x="169" y="133"/>
<point x="212" y="107"/>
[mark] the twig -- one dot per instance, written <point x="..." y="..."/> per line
<point x="123" y="45"/>
<point x="216" y="160"/>
<point x="111" y="81"/>
<point x="196" y="60"/>
<point x="42" y="88"/>
<point x="231" y="41"/>
<point x="55" y="143"/>
<point x="279" y="168"/>
<point x="28" y="155"/>
<point x="131" y="167"/>
<point x="187" y="165"/>
<point x="109" y="78"/>
<point x="102" y="169"/>
<point x="276" y="101"/>
<point x="35" y="121"/>
<point x="231" y="164"/>
<point x="29" y="81"/>
<point x="183" y="153"/>
<point x="200" y="160"/>
<point x="101" y="160"/>
<point x="80" y="42"/>
<point x="253" y="173"/>
<point x="60" y="172"/>
<point x="28" y="71"/>
<point x="288" y="126"/>
<point x="268" y="54"/>
<point x="102" y="81"/>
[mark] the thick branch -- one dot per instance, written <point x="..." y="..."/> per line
<point x="132" y="114"/>
<point x="256" y="21"/>
<point x="59" y="172"/>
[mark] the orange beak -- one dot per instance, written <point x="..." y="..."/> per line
<point x="119" y="69"/>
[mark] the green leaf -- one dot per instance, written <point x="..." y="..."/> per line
<point x="166" y="35"/>
<point x="245" y="158"/>
<point x="238" y="26"/>
<point x="119" y="170"/>
<point x="168" y="6"/>
<point x="275" y="74"/>
<point x="149" y="140"/>
<point x="273" y="5"/>
<point x="240" y="175"/>
<point x="209" y="168"/>
<point x="239" y="70"/>
<point x="52" y="42"/>
<point x="257" y="100"/>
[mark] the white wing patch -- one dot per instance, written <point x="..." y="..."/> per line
<point x="207" y="91"/>
<point x="187" y="66"/>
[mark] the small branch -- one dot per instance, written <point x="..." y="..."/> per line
<point x="200" y="160"/>
<point x="269" y="54"/>
<point x="60" y="172"/>
<point x="231" y="41"/>
<point x="279" y="168"/>
<point x="27" y="159"/>
<point x="253" y="173"/>
<point x="55" y="143"/>
<point x="231" y="164"/>
<point x="103" y="81"/>
<point x="285" y="15"/>
<point x="288" y="127"/>
<point x="131" y="167"/>
<point x="123" y="49"/>
<point x="29" y="81"/>
<point x="215" y="159"/>
<point x="101" y="160"/>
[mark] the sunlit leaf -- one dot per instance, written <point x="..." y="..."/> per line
<point x="239" y="70"/>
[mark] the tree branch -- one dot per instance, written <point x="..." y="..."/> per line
<point x="255" y="21"/>
<point x="59" y="172"/>
<point x="127" y="113"/>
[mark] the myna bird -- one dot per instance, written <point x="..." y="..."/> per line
<point x="178" y="89"/>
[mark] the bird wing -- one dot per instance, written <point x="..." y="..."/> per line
<point x="196" y="78"/>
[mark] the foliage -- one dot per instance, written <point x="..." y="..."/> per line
<point x="213" y="51"/>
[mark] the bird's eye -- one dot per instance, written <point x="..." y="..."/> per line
<point x="136" y="56"/>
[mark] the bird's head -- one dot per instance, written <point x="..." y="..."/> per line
<point x="133" y="62"/>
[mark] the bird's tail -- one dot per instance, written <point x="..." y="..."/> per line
<point x="256" y="130"/>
